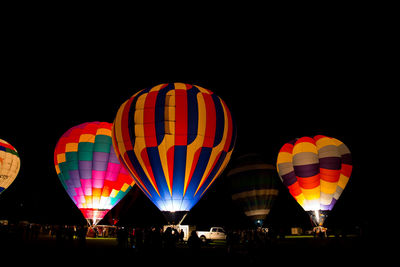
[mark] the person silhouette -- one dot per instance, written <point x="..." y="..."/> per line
<point x="194" y="242"/>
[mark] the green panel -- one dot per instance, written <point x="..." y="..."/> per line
<point x="85" y="151"/>
<point x="102" y="143"/>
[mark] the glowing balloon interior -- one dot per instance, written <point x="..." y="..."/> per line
<point x="9" y="164"/>
<point x="89" y="170"/>
<point x="175" y="139"/>
<point x="315" y="170"/>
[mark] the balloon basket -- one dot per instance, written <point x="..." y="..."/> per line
<point x="175" y="217"/>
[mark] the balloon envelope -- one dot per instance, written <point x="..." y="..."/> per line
<point x="175" y="139"/>
<point x="254" y="186"/>
<point x="9" y="164"/>
<point x="315" y="170"/>
<point x="89" y="170"/>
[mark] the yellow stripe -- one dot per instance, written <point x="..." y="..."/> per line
<point x="61" y="158"/>
<point x="114" y="193"/>
<point x="125" y="187"/>
<point x="284" y="157"/>
<point x="157" y="87"/>
<point x="118" y="142"/>
<point x="203" y="90"/>
<point x="343" y="180"/>
<point x="300" y="199"/>
<point x="180" y="86"/>
<point x="304" y="147"/>
<point x="325" y="141"/>
<point x="103" y="131"/>
<point x="71" y="147"/>
<point x="166" y="144"/>
<point x="328" y="187"/>
<point x="58" y="169"/>
<point x="140" y="143"/>
<point x="312" y="194"/>
<point x="336" y="142"/>
<point x="89" y="138"/>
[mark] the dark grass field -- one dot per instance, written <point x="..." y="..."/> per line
<point x="288" y="251"/>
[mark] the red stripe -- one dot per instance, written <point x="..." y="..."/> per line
<point x="124" y="125"/>
<point x="287" y="148"/>
<point x="294" y="189"/>
<point x="305" y="139"/>
<point x="210" y="121"/>
<point x="317" y="137"/>
<point x="149" y="119"/>
<point x="192" y="168"/>
<point x="7" y="145"/>
<point x="105" y="125"/>
<point x="346" y="170"/>
<point x="309" y="182"/>
<point x="329" y="175"/>
<point x="90" y="128"/>
<point x="170" y="162"/>
<point x="181" y="117"/>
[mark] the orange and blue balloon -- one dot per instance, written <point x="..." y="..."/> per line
<point x="175" y="139"/>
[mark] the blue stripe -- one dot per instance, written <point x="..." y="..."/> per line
<point x="193" y="114"/>
<point x="212" y="173"/>
<point x="234" y="134"/>
<point x="198" y="173"/>
<point x="160" y="113"/>
<point x="179" y="171"/>
<point x="142" y="175"/>
<point x="158" y="172"/>
<point x="220" y="120"/>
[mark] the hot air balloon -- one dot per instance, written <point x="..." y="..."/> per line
<point x="175" y="139"/>
<point x="9" y="164"/>
<point x="253" y="186"/>
<point x="315" y="170"/>
<point x="90" y="171"/>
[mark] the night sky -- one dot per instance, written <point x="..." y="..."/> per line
<point x="276" y="89"/>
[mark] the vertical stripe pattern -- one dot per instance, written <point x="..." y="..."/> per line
<point x="175" y="139"/>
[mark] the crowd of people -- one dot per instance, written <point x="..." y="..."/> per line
<point x="156" y="239"/>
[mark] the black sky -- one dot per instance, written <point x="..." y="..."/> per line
<point x="278" y="87"/>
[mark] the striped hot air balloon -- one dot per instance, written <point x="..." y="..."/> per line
<point x="315" y="170"/>
<point x="90" y="171"/>
<point x="9" y="164"/>
<point x="254" y="186"/>
<point x="175" y="139"/>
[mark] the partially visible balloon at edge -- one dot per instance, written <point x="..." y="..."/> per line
<point x="9" y="164"/>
